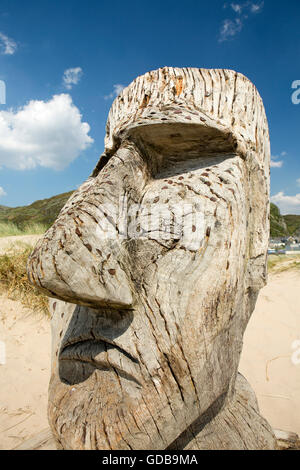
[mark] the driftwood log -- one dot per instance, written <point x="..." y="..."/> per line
<point x="154" y="266"/>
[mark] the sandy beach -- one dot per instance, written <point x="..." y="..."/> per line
<point x="271" y="354"/>
<point x="268" y="361"/>
<point x="25" y="375"/>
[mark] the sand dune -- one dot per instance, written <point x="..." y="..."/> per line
<point x="17" y="242"/>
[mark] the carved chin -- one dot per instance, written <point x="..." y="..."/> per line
<point x="87" y="416"/>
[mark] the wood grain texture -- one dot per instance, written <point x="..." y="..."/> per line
<point x="155" y="264"/>
<point x="233" y="424"/>
<point x="41" y="441"/>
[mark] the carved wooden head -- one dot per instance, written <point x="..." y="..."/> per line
<point x="163" y="251"/>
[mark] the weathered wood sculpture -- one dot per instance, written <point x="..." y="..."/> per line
<point x="163" y="252"/>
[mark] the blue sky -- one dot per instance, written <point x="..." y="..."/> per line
<point x="64" y="61"/>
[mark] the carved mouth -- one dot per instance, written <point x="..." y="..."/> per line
<point x="91" y="354"/>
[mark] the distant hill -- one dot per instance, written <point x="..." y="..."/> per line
<point x="293" y="224"/>
<point x="277" y="223"/>
<point x="284" y="225"/>
<point x="44" y="211"/>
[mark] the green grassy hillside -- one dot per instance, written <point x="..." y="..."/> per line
<point x="277" y="222"/>
<point x="284" y="225"/>
<point x="293" y="224"/>
<point x="42" y="212"/>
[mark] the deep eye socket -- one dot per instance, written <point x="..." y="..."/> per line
<point x="165" y="147"/>
<point x="175" y="167"/>
<point x="171" y="148"/>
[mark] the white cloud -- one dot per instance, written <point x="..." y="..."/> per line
<point x="287" y="204"/>
<point x="231" y="27"/>
<point x="7" y="45"/>
<point x="43" y="133"/>
<point x="117" y="90"/>
<point x="275" y="164"/>
<point x="237" y="8"/>
<point x="2" y="192"/>
<point x="72" y="77"/>
<point x="256" y="7"/>
<point x="298" y="181"/>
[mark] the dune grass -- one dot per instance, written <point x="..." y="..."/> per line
<point x="281" y="263"/>
<point x="8" y="229"/>
<point x="14" y="282"/>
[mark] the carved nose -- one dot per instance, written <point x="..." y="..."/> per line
<point x="73" y="262"/>
<point x="81" y="258"/>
